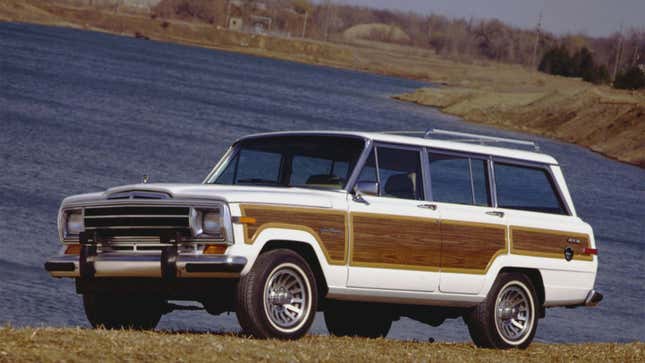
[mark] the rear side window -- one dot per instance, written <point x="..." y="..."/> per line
<point x="399" y="172"/>
<point x="459" y="179"/>
<point x="527" y="188"/>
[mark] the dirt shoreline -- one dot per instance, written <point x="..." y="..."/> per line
<point x="607" y="121"/>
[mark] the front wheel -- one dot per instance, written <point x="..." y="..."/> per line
<point x="278" y="297"/>
<point x="508" y="316"/>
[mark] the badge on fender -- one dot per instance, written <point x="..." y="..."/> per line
<point x="568" y="254"/>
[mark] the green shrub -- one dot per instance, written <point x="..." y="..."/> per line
<point x="632" y="78"/>
<point x="558" y="61"/>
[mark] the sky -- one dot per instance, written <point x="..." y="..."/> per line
<point x="593" y="17"/>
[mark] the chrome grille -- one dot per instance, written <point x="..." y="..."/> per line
<point x="137" y="221"/>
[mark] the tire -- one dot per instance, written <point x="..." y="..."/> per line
<point x="122" y="311"/>
<point x="358" y="319"/>
<point x="508" y="318"/>
<point x="278" y="298"/>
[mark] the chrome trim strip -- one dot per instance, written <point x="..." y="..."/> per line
<point x="403" y="297"/>
<point x="136" y="227"/>
<point x="139" y="216"/>
<point x="106" y="203"/>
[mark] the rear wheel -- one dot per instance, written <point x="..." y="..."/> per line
<point x="508" y="317"/>
<point x="122" y="311"/>
<point x="367" y="320"/>
<point x="278" y="297"/>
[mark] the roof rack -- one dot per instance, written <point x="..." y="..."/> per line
<point x="467" y="137"/>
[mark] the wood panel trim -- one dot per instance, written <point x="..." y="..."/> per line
<point x="577" y="256"/>
<point x="501" y="251"/>
<point x="433" y="268"/>
<point x="386" y="265"/>
<point x="299" y="227"/>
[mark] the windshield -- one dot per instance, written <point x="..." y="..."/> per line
<point x="292" y="161"/>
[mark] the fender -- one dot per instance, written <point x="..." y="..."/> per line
<point x="335" y="274"/>
<point x="552" y="273"/>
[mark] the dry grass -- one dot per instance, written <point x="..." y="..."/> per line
<point x="72" y="345"/>
<point x="608" y="121"/>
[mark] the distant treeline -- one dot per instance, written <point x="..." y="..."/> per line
<point x="581" y="64"/>
<point x="594" y="59"/>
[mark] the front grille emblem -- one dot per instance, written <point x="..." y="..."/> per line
<point x="145" y="178"/>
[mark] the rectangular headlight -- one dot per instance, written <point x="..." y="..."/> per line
<point x="211" y="223"/>
<point x="70" y="224"/>
<point x="74" y="224"/>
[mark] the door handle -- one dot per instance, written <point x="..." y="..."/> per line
<point x="496" y="213"/>
<point x="428" y="206"/>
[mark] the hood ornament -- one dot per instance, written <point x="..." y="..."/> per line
<point x="145" y="178"/>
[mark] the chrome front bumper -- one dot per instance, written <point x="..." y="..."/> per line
<point x="149" y="265"/>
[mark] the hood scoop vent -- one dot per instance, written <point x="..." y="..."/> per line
<point x="139" y="194"/>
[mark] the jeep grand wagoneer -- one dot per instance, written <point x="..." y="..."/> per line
<point x="366" y="227"/>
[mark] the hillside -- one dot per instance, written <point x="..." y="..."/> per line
<point x="606" y="120"/>
<point x="74" y="345"/>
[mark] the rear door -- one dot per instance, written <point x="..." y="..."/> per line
<point x="473" y="233"/>
<point x="542" y="225"/>
<point x="395" y="242"/>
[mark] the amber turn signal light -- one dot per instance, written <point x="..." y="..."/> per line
<point x="245" y="220"/>
<point x="215" y="249"/>
<point x="74" y="249"/>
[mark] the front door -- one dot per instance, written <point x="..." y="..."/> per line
<point x="396" y="240"/>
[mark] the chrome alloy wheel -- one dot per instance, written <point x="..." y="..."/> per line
<point x="514" y="313"/>
<point x="287" y="298"/>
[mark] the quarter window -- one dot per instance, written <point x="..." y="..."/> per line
<point x="459" y="179"/>
<point x="526" y="188"/>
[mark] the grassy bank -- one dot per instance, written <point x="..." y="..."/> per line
<point x="48" y="345"/>
<point x="608" y="121"/>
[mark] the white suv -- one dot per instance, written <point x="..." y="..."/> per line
<point x="367" y="227"/>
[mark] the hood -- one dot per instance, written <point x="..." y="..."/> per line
<point x="227" y="193"/>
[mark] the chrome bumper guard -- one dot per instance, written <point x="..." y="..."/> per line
<point x="168" y="265"/>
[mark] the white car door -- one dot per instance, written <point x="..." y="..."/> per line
<point x="395" y="241"/>
<point x="544" y="229"/>
<point x="473" y="233"/>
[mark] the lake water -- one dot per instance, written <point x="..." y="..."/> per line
<point x="83" y="111"/>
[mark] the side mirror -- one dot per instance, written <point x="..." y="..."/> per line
<point x="366" y="188"/>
